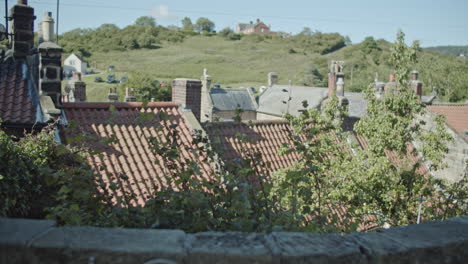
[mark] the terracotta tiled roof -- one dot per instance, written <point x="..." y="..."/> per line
<point x="129" y="154"/>
<point x="266" y="137"/>
<point x="16" y="102"/>
<point x="456" y="117"/>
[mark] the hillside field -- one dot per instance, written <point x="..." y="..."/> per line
<point x="247" y="62"/>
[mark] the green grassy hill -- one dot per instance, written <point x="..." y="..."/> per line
<point x="246" y="62"/>
<point x="234" y="63"/>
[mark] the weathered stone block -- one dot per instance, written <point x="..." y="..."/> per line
<point x="16" y="234"/>
<point x="229" y="247"/>
<point x="316" y="248"/>
<point x="109" y="245"/>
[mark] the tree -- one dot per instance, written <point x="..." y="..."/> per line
<point x="307" y="189"/>
<point x="148" y="21"/>
<point x="392" y="127"/>
<point x="225" y="32"/>
<point x="147" y="87"/>
<point x="204" y="25"/>
<point x="187" y="24"/>
<point x="348" y="41"/>
<point x="306" y="31"/>
<point x="313" y="77"/>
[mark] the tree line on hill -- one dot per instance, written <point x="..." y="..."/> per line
<point x="450" y="50"/>
<point x="145" y="34"/>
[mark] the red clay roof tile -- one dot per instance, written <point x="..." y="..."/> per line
<point x="456" y="117"/>
<point x="130" y="153"/>
<point x="16" y="104"/>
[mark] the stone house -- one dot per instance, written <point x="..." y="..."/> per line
<point x="254" y="28"/>
<point x="75" y="63"/>
<point x="216" y="103"/>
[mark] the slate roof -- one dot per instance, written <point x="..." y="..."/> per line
<point x="18" y="98"/>
<point x="231" y="99"/>
<point x="456" y="117"/>
<point x="357" y="104"/>
<point x="274" y="100"/>
<point x="129" y="153"/>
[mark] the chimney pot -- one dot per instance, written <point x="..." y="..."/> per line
<point x="414" y="75"/>
<point x="272" y="79"/>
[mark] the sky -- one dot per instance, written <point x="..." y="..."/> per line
<point x="432" y="22"/>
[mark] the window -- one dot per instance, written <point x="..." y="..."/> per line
<point x="72" y="62"/>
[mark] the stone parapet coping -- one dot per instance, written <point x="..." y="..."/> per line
<point x="42" y="241"/>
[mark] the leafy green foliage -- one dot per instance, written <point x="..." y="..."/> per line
<point x="203" y="24"/>
<point x="307" y="189"/>
<point x="147" y="88"/>
<point x="109" y="37"/>
<point x="187" y="24"/>
<point x="43" y="179"/>
<point x="145" y="21"/>
<point x="450" y="50"/>
<point x="392" y="189"/>
<point x="317" y="42"/>
<point x="313" y="77"/>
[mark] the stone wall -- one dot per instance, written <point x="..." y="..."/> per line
<point x="41" y="241"/>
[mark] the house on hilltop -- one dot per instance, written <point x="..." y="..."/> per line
<point x="254" y="28"/>
<point x="75" y="63"/>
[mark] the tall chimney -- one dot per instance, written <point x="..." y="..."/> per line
<point x="22" y="28"/>
<point x="272" y="78"/>
<point x="79" y="87"/>
<point x="47" y="26"/>
<point x="50" y="63"/>
<point x="416" y="84"/>
<point x="335" y="73"/>
<point x="391" y="86"/>
<point x="187" y="93"/>
<point x="206" y="105"/>
<point x="340" y="85"/>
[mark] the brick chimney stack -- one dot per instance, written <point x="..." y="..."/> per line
<point x="22" y="28"/>
<point x="336" y="73"/>
<point x="187" y="93"/>
<point x="79" y="87"/>
<point x="416" y="84"/>
<point x="391" y="86"/>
